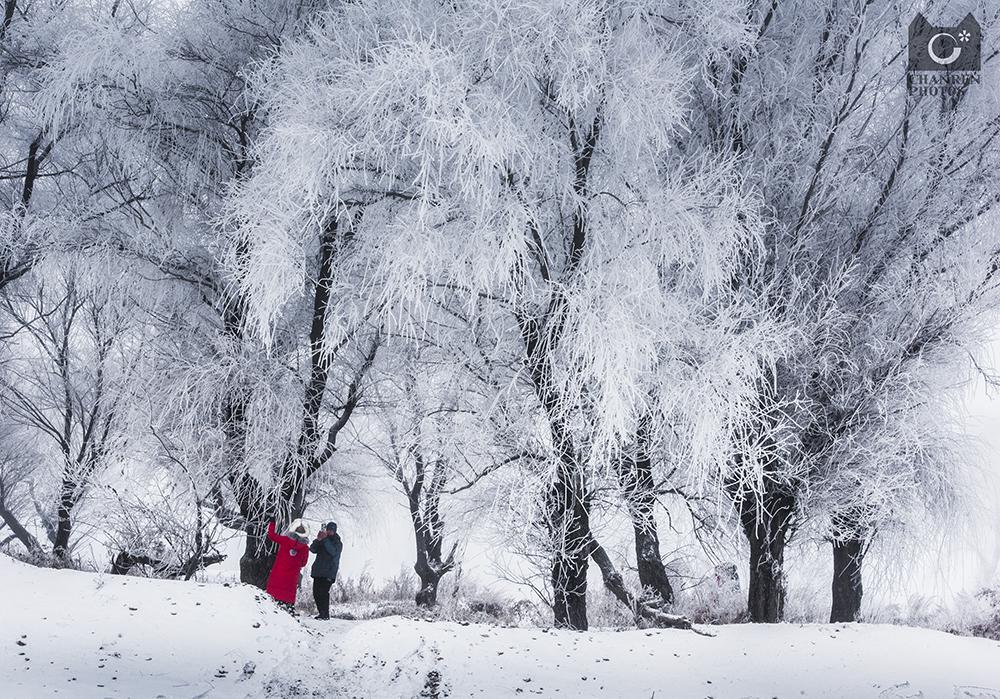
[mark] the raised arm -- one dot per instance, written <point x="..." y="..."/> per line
<point x="272" y="535"/>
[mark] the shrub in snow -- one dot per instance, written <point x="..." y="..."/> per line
<point x="975" y="615"/>
<point x="712" y="601"/>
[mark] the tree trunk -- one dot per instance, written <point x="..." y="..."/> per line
<point x="254" y="507"/>
<point x="64" y="520"/>
<point x="429" y="566"/>
<point x="428" y="526"/>
<point x="315" y="447"/>
<point x="847" y="588"/>
<point x="645" y="615"/>
<point x="567" y="508"/>
<point x="19" y="532"/>
<point x="258" y="557"/>
<point x="570" y="523"/>
<point x="427" y="594"/>
<point x="63" y="530"/>
<point x="767" y="530"/>
<point x="652" y="574"/>
<point x="569" y="585"/>
<point x="124" y="562"/>
<point x="766" y="598"/>
<point x="301" y="464"/>
<point x="639" y="487"/>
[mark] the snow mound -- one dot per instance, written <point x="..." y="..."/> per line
<point x="73" y="634"/>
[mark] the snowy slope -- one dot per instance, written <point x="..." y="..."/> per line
<point x="88" y="635"/>
<point x="764" y="661"/>
<point x="73" y="634"/>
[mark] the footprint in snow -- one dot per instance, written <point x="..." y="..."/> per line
<point x="969" y="692"/>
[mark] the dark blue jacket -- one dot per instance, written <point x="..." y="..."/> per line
<point x="327" y="552"/>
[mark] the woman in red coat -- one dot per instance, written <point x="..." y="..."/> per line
<point x="293" y="552"/>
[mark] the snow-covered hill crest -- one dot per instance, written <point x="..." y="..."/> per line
<point x="75" y="634"/>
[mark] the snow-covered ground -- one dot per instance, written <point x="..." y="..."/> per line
<point x="66" y="633"/>
<point x="72" y="634"/>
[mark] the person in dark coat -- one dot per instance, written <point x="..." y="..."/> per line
<point x="327" y="547"/>
<point x="293" y="552"/>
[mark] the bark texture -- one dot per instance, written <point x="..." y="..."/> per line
<point x="569" y="520"/>
<point x="767" y="528"/>
<point x="639" y="488"/>
<point x="847" y="585"/>
<point x="428" y="528"/>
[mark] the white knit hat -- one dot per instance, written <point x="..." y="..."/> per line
<point x="295" y="525"/>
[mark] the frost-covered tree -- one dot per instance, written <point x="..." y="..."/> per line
<point x="25" y="148"/>
<point x="59" y="188"/>
<point x="522" y="158"/>
<point x="72" y="371"/>
<point x="415" y="453"/>
<point x="882" y="256"/>
<point x="160" y="88"/>
<point x="17" y="463"/>
<point x="436" y="430"/>
<point x="161" y="518"/>
<point x="161" y="514"/>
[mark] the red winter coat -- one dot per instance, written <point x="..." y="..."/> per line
<point x="288" y="564"/>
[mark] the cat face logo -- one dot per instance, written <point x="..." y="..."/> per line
<point x="944" y="48"/>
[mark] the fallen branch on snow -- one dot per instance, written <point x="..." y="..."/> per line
<point x="646" y="615"/>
